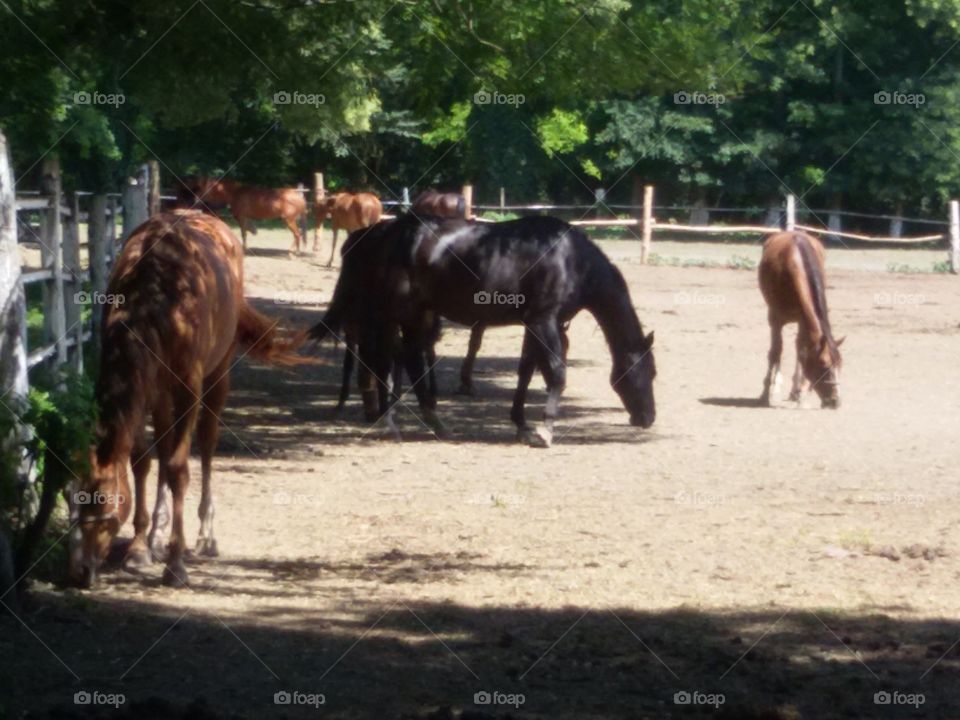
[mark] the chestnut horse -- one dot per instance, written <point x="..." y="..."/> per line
<point x="168" y="349"/>
<point x="347" y="211"/>
<point x="793" y="284"/>
<point x="438" y="204"/>
<point x="246" y="202"/>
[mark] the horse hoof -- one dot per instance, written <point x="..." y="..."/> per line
<point x="137" y="558"/>
<point x="175" y="576"/>
<point x="207" y="547"/>
<point x="535" y="438"/>
<point x="465" y="389"/>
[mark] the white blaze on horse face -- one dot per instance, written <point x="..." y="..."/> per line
<point x="446" y="241"/>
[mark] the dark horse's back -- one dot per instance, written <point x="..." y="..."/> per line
<point x="496" y="273"/>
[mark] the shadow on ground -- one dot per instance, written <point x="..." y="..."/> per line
<point x="390" y="658"/>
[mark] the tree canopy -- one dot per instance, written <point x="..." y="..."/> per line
<point x="851" y="105"/>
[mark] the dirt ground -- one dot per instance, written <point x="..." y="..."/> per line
<point x="758" y="563"/>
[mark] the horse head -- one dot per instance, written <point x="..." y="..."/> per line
<point x="103" y="501"/>
<point x="821" y="366"/>
<point x="632" y="379"/>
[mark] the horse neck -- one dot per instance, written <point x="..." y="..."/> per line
<point x="126" y="381"/>
<point x="814" y="302"/>
<point x="608" y="300"/>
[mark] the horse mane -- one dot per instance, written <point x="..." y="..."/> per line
<point x="815" y="279"/>
<point x="607" y="297"/>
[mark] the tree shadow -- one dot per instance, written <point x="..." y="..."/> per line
<point x="382" y="655"/>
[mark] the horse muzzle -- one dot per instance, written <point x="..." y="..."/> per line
<point x="642" y="420"/>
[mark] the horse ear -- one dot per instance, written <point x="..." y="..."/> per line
<point x="840" y="341"/>
<point x="650" y="339"/>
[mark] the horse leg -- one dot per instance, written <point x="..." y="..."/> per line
<point x="317" y="224"/>
<point x="294" y="227"/>
<point x="773" y="360"/>
<point x="208" y="432"/>
<point x="138" y="554"/>
<point x="333" y="247"/>
<point x="351" y="349"/>
<point x="796" y="390"/>
<point x="413" y="354"/>
<point x="431" y="356"/>
<point x="160" y="523"/>
<point x="528" y="362"/>
<point x="549" y="350"/>
<point x="466" y="369"/>
<point x="186" y="409"/>
<point x="241" y="221"/>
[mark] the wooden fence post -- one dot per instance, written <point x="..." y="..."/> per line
<point x="13" y="312"/>
<point x="647" y="224"/>
<point x="51" y="257"/>
<point x="114" y="209"/>
<point x="503" y="199"/>
<point x="791" y="220"/>
<point x="135" y="202"/>
<point x="318" y="189"/>
<point x="468" y="201"/>
<point x="954" y="237"/>
<point x="97" y="239"/>
<point x="153" y="187"/>
<point x="405" y="199"/>
<point x="72" y="301"/>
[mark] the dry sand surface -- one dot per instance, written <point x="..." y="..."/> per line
<point x="789" y="562"/>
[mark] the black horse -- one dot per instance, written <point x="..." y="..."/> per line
<point x="537" y="272"/>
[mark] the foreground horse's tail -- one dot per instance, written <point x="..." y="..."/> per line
<point x="261" y="339"/>
<point x="332" y="320"/>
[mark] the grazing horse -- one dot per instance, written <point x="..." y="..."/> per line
<point x="537" y="272"/>
<point x="793" y="284"/>
<point x="168" y="348"/>
<point x="347" y="211"/>
<point x="438" y="204"/>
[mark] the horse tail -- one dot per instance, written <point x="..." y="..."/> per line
<point x="260" y="339"/>
<point x="815" y="279"/>
<point x="333" y="319"/>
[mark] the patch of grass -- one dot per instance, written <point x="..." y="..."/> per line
<point x="860" y="540"/>
<point x="742" y="262"/>
<point x="939" y="267"/>
<point x="661" y="260"/>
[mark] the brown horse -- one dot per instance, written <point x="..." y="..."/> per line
<point x="793" y="284"/>
<point x="201" y="193"/>
<point x="168" y="349"/>
<point x="248" y="202"/>
<point x="438" y="204"/>
<point x="347" y="211"/>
